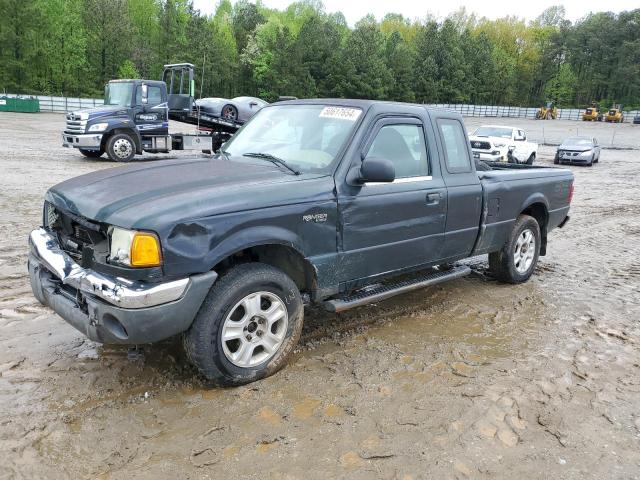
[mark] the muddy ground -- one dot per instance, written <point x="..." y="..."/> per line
<point x="468" y="379"/>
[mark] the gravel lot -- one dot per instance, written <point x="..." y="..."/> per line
<point x="470" y="379"/>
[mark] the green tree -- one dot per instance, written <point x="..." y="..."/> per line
<point x="560" y="88"/>
<point x="128" y="70"/>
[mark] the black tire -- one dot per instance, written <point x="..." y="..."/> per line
<point x="121" y="147"/>
<point x="91" y="153"/>
<point x="502" y="264"/>
<point x="531" y="158"/>
<point x="229" y="112"/>
<point x="203" y="341"/>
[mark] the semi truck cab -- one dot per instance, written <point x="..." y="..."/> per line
<point x="135" y="118"/>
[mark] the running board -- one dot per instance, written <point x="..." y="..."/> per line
<point x="390" y="290"/>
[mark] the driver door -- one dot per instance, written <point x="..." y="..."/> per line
<point x="521" y="151"/>
<point x="398" y="225"/>
<point x="151" y="118"/>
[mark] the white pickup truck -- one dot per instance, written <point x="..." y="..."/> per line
<point x="497" y="143"/>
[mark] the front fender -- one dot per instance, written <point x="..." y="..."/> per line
<point x="194" y="246"/>
<point x="252" y="237"/>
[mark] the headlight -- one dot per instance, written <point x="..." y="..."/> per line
<point x="98" y="127"/>
<point x="134" y="249"/>
<point x="586" y="153"/>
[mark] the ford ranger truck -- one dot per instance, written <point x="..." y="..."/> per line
<point x="496" y="143"/>
<point x="337" y="203"/>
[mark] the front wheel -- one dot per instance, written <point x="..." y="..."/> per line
<point x="247" y="327"/>
<point x="517" y="259"/>
<point x="121" y="147"/>
<point x="230" y="112"/>
<point x="91" y="153"/>
<point x="531" y="158"/>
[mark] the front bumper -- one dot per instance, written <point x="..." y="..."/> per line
<point x="108" y="309"/>
<point x="489" y="157"/>
<point x="578" y="160"/>
<point x="89" y="141"/>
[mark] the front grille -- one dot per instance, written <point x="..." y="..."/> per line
<point x="75" y="124"/>
<point x="480" y="145"/>
<point x="73" y="232"/>
<point x="568" y="153"/>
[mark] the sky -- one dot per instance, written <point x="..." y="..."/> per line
<point x="353" y="10"/>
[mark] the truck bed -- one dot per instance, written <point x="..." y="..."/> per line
<point x="508" y="188"/>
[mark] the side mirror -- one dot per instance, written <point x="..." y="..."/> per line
<point x="376" y="169"/>
<point x="145" y="94"/>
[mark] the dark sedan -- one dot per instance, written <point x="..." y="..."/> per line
<point x="636" y="119"/>
<point x="578" y="150"/>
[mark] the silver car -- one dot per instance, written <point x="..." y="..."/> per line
<point x="236" y="110"/>
<point x="578" y="150"/>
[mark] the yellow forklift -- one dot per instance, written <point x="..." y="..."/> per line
<point x="547" y="112"/>
<point x="592" y="113"/>
<point x="615" y="114"/>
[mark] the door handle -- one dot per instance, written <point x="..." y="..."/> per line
<point x="433" y="198"/>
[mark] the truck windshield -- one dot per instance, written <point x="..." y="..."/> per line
<point x="493" y="132"/>
<point x="118" y="93"/>
<point x="306" y="137"/>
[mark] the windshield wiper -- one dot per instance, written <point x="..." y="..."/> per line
<point x="272" y="159"/>
<point x="224" y="154"/>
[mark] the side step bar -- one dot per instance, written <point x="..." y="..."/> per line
<point x="390" y="290"/>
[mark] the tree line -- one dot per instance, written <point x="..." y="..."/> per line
<point x="73" y="47"/>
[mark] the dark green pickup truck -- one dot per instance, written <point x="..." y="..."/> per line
<point x="333" y="202"/>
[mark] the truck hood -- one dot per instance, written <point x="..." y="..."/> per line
<point x="493" y="140"/>
<point x="103" y="111"/>
<point x="156" y="195"/>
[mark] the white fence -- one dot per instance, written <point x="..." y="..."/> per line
<point x="60" y="104"/>
<point x="65" y="104"/>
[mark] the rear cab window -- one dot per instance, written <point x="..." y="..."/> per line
<point x="456" y="153"/>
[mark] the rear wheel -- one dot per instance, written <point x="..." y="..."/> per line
<point x="517" y="259"/>
<point x="121" y="147"/>
<point x="247" y="327"/>
<point x="91" y="153"/>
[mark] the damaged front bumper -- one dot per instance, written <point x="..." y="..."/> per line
<point x="109" y="309"/>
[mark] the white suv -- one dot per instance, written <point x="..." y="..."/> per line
<point x="498" y="143"/>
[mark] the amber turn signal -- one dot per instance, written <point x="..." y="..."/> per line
<point x="145" y="250"/>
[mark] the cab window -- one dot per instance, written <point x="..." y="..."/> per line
<point x="404" y="146"/>
<point x="154" y="96"/>
<point x="455" y="146"/>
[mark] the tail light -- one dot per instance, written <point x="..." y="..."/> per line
<point x="570" y="192"/>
